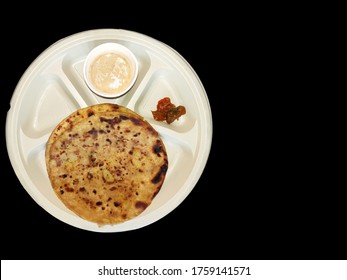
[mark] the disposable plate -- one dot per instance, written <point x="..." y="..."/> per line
<point x="53" y="87"/>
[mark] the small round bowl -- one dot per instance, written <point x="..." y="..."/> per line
<point x="110" y="70"/>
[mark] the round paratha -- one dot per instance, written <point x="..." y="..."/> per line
<point x="106" y="163"/>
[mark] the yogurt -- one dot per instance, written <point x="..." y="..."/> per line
<point x="111" y="73"/>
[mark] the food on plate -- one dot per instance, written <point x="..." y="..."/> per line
<point x="167" y="111"/>
<point x="110" y="70"/>
<point x="106" y="163"/>
<point x="111" y="73"/>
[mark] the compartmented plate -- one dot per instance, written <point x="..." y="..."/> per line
<point x="53" y="87"/>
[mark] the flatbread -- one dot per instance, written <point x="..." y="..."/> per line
<point x="106" y="163"/>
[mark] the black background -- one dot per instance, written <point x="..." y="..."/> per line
<point x="258" y="197"/>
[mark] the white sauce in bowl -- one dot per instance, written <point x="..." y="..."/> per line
<point x="111" y="73"/>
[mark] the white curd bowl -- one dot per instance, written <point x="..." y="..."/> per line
<point x="110" y="70"/>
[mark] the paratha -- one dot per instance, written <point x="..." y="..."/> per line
<point x="106" y="163"/>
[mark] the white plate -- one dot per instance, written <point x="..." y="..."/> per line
<point x="53" y="87"/>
